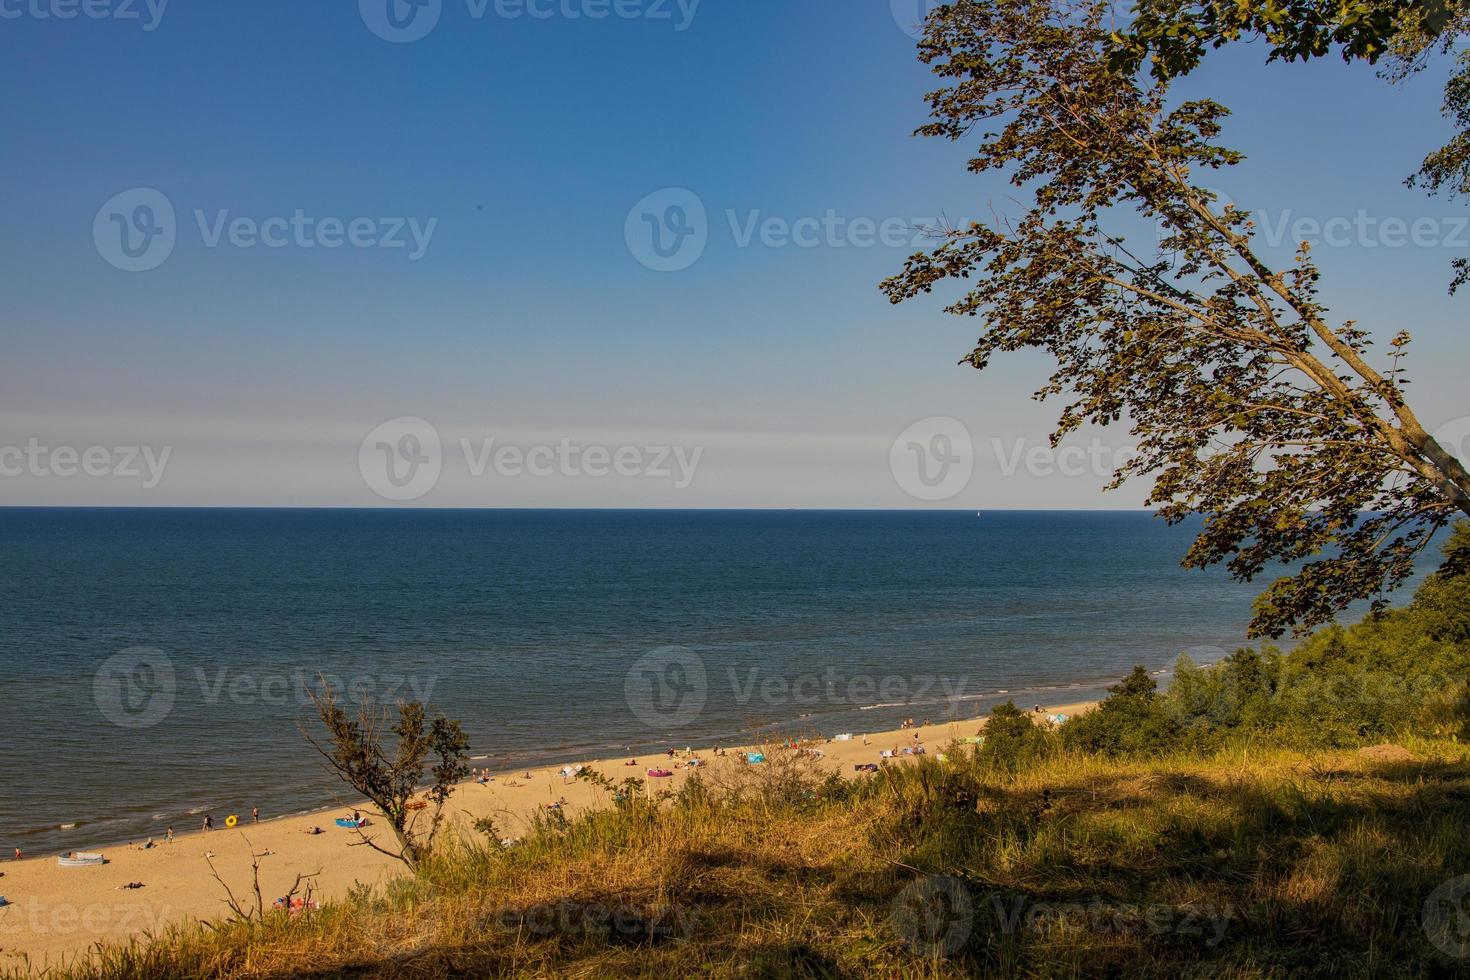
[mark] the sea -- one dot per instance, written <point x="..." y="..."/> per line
<point x="158" y="663"/>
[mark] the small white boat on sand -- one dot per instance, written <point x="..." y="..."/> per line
<point x="77" y="859"/>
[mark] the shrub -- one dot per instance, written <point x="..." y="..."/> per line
<point x="1132" y="720"/>
<point x="1012" y="739"/>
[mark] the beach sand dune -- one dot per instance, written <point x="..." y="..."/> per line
<point x="56" y="914"/>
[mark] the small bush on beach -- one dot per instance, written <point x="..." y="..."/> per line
<point x="1012" y="739"/>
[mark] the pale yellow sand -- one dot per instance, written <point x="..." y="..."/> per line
<point x="58" y="913"/>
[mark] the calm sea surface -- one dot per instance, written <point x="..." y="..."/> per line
<point x="156" y="660"/>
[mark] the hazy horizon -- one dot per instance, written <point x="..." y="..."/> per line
<point x="265" y="285"/>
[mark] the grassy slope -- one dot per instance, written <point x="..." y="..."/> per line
<point x="1309" y="864"/>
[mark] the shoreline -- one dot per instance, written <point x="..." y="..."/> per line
<point x="56" y="914"/>
<point x="803" y="725"/>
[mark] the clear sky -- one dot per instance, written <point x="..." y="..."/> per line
<point x="460" y="230"/>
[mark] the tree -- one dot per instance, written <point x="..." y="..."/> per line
<point x="1250" y="405"/>
<point x="1174" y="35"/>
<point x="1131" y="720"/>
<point x="359" y="759"/>
<point x="1012" y="739"/>
<point x="1442" y="605"/>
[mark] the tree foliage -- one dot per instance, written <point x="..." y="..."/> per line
<point x="1173" y="36"/>
<point x="356" y="753"/>
<point x="1131" y="720"/>
<point x="1012" y="738"/>
<point x="1401" y="673"/>
<point x="1250" y="404"/>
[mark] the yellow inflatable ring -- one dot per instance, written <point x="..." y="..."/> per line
<point x="231" y="820"/>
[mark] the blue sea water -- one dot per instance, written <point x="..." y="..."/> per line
<point x="156" y="661"/>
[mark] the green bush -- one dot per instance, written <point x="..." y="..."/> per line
<point x="1012" y="739"/>
<point x="1397" y="671"/>
<point x="1132" y="720"/>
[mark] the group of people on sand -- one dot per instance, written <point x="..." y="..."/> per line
<point x="209" y="820"/>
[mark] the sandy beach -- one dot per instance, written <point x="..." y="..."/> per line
<point x="56" y="913"/>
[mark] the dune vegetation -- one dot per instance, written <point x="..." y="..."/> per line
<point x="1280" y="813"/>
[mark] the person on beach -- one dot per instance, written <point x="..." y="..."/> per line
<point x="209" y="821"/>
<point x="255" y="814"/>
<point x="17" y="854"/>
<point x="168" y="837"/>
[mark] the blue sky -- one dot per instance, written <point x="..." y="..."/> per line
<point x="520" y="144"/>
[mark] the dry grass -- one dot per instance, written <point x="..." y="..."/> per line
<point x="1244" y="864"/>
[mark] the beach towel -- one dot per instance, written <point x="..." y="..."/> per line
<point x="756" y="757"/>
